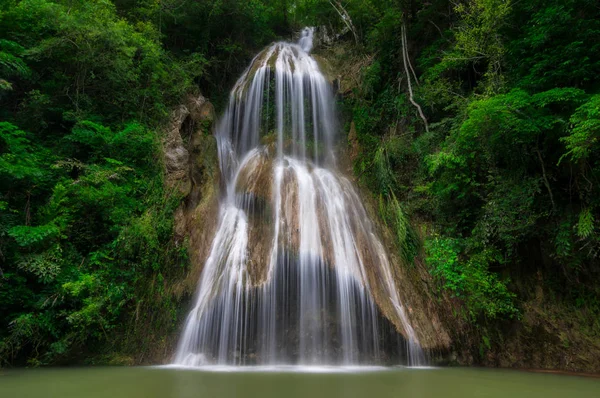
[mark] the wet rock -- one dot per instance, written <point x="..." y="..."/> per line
<point x="192" y="170"/>
<point x="201" y="110"/>
<point x="176" y="154"/>
<point x="256" y="176"/>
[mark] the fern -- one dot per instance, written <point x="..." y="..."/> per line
<point x="46" y="265"/>
<point x="27" y="236"/>
<point x="11" y="64"/>
<point x="585" y="226"/>
<point x="383" y="171"/>
<point x="396" y="219"/>
<point x="585" y="131"/>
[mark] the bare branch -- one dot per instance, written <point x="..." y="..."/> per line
<point x="405" y="45"/>
<point x="410" y="91"/>
<point x="345" y="18"/>
<point x="546" y="182"/>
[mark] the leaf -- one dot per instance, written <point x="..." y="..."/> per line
<point x="46" y="265"/>
<point x="585" y="226"/>
<point x="29" y="236"/>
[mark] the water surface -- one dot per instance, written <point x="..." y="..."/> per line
<point x="291" y="383"/>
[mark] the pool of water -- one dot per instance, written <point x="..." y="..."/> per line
<point x="290" y="382"/>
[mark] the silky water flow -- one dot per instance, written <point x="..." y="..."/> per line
<point x="293" y="265"/>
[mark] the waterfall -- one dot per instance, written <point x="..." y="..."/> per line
<point x="295" y="266"/>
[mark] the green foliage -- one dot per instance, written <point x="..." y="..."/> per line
<point x="507" y="175"/>
<point x="582" y="141"/>
<point x="468" y="278"/>
<point x="554" y="43"/>
<point x="11" y="64"/>
<point x="86" y="226"/>
<point x="384" y="176"/>
<point x="396" y="219"/>
<point x="78" y="166"/>
<point x="585" y="226"/>
<point x="27" y="236"/>
<point x="45" y="265"/>
<point x="477" y="43"/>
<point x="213" y="40"/>
<point x="75" y="247"/>
<point x="104" y="64"/>
<point x="19" y="162"/>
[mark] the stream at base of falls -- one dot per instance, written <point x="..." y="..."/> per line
<point x="290" y="382"/>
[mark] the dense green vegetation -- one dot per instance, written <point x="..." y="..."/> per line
<point x="85" y="221"/>
<point x="499" y="175"/>
<point x="501" y="172"/>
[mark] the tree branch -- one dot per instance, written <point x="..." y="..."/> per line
<point x="546" y="182"/>
<point x="405" y="45"/>
<point x="345" y="18"/>
<point x="410" y="91"/>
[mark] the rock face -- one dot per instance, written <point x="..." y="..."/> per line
<point x="433" y="323"/>
<point x="177" y="157"/>
<point x="192" y="170"/>
<point x="297" y="272"/>
<point x="415" y="290"/>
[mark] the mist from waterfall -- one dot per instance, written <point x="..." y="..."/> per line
<point x="295" y="266"/>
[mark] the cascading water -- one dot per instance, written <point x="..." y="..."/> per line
<point x="295" y="263"/>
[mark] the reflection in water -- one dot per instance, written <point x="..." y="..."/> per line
<point x="345" y="382"/>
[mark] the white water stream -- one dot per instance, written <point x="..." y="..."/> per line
<point x="293" y="267"/>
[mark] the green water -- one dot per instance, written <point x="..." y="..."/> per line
<point x="177" y="383"/>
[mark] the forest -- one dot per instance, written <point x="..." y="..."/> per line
<point x="476" y="123"/>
